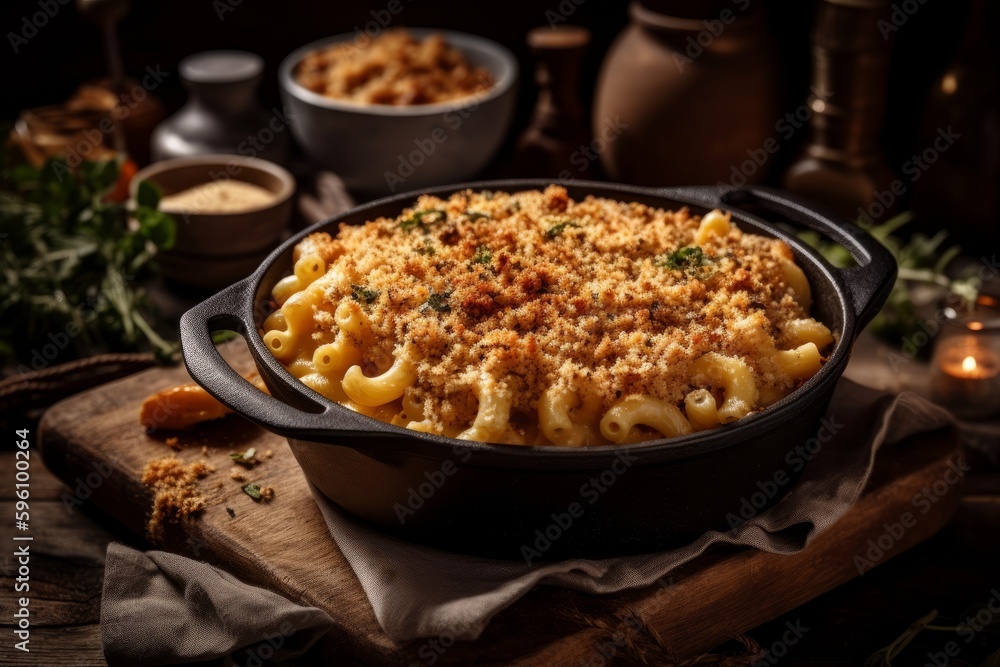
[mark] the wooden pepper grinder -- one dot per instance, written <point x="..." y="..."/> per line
<point x="553" y="145"/>
<point x="108" y="13"/>
<point x="961" y="131"/>
<point x="843" y="166"/>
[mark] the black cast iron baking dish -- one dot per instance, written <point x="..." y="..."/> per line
<point x="548" y="502"/>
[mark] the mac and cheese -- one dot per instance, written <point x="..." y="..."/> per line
<point x="530" y="318"/>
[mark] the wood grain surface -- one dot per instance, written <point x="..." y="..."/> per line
<point x="95" y="444"/>
<point x="67" y="574"/>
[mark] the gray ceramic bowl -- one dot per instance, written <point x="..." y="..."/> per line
<point x="381" y="149"/>
<point x="214" y="249"/>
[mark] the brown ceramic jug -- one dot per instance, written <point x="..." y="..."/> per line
<point x="687" y="101"/>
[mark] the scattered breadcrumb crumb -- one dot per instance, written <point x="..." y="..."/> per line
<point x="268" y="454"/>
<point x="237" y="474"/>
<point x="247" y="459"/>
<point x="204" y="450"/>
<point x="172" y="442"/>
<point x="176" y="494"/>
<point x="267" y="493"/>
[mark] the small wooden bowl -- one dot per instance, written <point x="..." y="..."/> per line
<point x="214" y="249"/>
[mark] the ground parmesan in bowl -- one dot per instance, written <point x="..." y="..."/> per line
<point x="229" y="196"/>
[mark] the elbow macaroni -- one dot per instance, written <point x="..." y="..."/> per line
<point x="530" y="319"/>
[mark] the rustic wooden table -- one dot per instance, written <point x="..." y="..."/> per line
<point x="950" y="572"/>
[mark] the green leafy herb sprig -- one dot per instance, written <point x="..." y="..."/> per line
<point x="886" y="656"/>
<point x="422" y="218"/>
<point x="362" y="294"/>
<point x="692" y="260"/>
<point x="920" y="260"/>
<point x="483" y="255"/>
<point x="438" y="301"/>
<point x="473" y="216"/>
<point x="247" y="459"/>
<point x="70" y="258"/>
<point x="558" y="228"/>
<point x="688" y="257"/>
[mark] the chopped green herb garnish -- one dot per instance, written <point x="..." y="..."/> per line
<point x="246" y="458"/>
<point x="252" y="490"/>
<point x="363" y="294"/>
<point x="684" y="258"/>
<point x="439" y="302"/>
<point x="422" y="217"/>
<point x="557" y="229"/>
<point x="476" y="215"/>
<point x="482" y="256"/>
<point x="426" y="249"/>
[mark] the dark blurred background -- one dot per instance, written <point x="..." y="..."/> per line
<point x="68" y="50"/>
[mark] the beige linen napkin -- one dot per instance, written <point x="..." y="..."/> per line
<point x="417" y="591"/>
<point x="159" y="608"/>
<point x="421" y="592"/>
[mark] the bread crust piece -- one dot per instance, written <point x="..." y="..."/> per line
<point x="394" y="68"/>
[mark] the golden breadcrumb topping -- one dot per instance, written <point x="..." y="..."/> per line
<point x="595" y="296"/>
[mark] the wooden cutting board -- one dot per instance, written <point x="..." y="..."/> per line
<point x="94" y="442"/>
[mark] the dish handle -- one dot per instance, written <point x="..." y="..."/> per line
<point x="207" y="367"/>
<point x="868" y="284"/>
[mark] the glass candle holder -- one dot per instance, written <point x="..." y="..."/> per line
<point x="965" y="375"/>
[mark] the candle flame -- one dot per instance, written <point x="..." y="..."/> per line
<point x="949" y="84"/>
<point x="969" y="364"/>
<point x="976" y="326"/>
